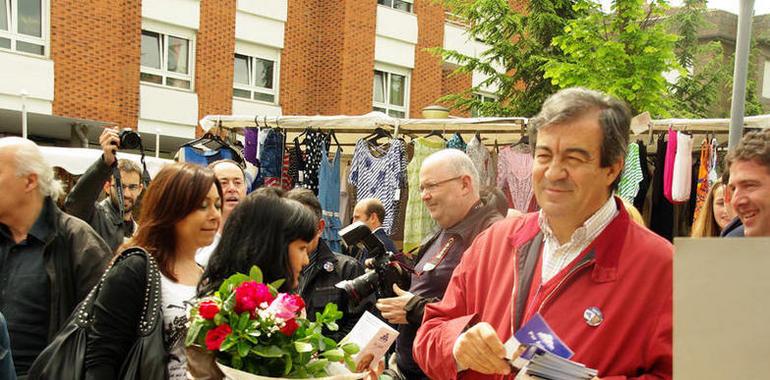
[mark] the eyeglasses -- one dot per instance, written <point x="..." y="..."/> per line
<point x="431" y="187"/>
<point x="132" y="187"/>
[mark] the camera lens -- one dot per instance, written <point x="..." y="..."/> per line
<point x="360" y="287"/>
<point x="129" y="139"/>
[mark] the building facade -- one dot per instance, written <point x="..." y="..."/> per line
<point x="158" y="66"/>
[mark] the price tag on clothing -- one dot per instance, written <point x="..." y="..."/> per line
<point x="301" y="175"/>
<point x="398" y="194"/>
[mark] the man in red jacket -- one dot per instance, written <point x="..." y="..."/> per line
<point x="602" y="282"/>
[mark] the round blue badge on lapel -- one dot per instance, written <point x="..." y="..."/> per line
<point x="593" y="316"/>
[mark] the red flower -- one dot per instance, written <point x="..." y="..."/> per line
<point x="290" y="327"/>
<point x="250" y="295"/>
<point x="208" y="309"/>
<point x="287" y="306"/>
<point x="216" y="336"/>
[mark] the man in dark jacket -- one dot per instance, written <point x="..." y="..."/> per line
<point x="316" y="283"/>
<point x="449" y="185"/>
<point x="371" y="212"/>
<point x="49" y="260"/>
<point x="105" y="216"/>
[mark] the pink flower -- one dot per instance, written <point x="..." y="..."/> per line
<point x="287" y="306"/>
<point x="250" y="294"/>
<point x="208" y="309"/>
<point x="290" y="327"/>
<point x="216" y="336"/>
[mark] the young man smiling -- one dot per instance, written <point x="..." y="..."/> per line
<point x="749" y="183"/>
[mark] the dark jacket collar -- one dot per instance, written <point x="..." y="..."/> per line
<point x="45" y="226"/>
<point x="113" y="213"/>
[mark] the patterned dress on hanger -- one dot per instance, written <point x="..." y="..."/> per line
<point x="329" y="197"/>
<point x="418" y="223"/>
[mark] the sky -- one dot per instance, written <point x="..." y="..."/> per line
<point x="761" y="7"/>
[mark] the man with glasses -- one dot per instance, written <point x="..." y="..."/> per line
<point x="105" y="216"/>
<point x="449" y="185"/>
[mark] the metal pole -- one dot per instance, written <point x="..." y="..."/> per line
<point x="24" y="113"/>
<point x="157" y="143"/>
<point x="742" y="46"/>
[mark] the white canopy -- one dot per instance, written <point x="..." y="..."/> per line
<point x="77" y="160"/>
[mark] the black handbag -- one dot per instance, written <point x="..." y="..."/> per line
<point x="64" y="358"/>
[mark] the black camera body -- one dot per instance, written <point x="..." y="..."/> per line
<point x="386" y="268"/>
<point x="129" y="139"/>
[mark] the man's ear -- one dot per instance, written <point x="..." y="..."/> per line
<point x="106" y="186"/>
<point x="614" y="171"/>
<point x="31" y="182"/>
<point x="321" y="224"/>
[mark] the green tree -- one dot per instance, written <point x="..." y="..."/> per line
<point x="519" y="45"/>
<point x="624" y="53"/>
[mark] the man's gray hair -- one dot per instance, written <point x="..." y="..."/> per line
<point x="457" y="163"/>
<point x="573" y="103"/>
<point x="29" y="159"/>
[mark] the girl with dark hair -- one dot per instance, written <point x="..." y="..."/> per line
<point x="180" y="213"/>
<point x="266" y="230"/>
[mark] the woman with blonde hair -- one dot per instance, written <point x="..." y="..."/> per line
<point x="713" y="215"/>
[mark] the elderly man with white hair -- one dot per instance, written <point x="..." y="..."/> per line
<point x="49" y="260"/>
<point x="449" y="187"/>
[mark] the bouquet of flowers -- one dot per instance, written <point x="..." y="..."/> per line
<point x="251" y="327"/>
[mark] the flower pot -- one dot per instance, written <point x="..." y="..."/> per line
<point x="234" y="374"/>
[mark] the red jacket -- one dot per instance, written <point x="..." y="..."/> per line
<point x="626" y="272"/>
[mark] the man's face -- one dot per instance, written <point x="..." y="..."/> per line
<point x="750" y="188"/>
<point x="359" y="215"/>
<point x="15" y="188"/>
<point x="568" y="182"/>
<point x="442" y="191"/>
<point x="230" y="177"/>
<point x="132" y="188"/>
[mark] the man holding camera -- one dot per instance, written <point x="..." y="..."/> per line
<point x="449" y="186"/>
<point x="105" y="216"/>
<point x="371" y="212"/>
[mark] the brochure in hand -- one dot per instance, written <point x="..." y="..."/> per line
<point x="539" y="353"/>
<point x="374" y="337"/>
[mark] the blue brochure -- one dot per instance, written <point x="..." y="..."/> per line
<point x="536" y="332"/>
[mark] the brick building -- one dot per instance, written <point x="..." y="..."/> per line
<point x="160" y="65"/>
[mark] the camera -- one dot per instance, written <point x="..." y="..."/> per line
<point x="129" y="139"/>
<point x="387" y="270"/>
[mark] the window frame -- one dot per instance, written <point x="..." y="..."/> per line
<point x="392" y="5"/>
<point x="484" y="97"/>
<point x="163" y="72"/>
<point x="385" y="106"/>
<point x="252" y="88"/>
<point x="14" y="36"/>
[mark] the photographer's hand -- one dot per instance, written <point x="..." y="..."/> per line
<point x="394" y="309"/>
<point x="110" y="141"/>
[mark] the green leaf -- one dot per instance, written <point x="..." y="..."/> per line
<point x="268" y="351"/>
<point x="192" y="333"/>
<point x="243" y="348"/>
<point x="350" y="363"/>
<point x="243" y="321"/>
<point x="350" y="348"/>
<point x="287" y="364"/>
<point x="332" y="326"/>
<point x="275" y="285"/>
<point x="255" y="274"/>
<point x="219" y="319"/>
<point x="227" y="343"/>
<point x="303" y="347"/>
<point x="236" y="362"/>
<point x="317" y="366"/>
<point x="334" y="355"/>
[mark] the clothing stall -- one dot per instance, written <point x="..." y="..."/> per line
<point x="669" y="166"/>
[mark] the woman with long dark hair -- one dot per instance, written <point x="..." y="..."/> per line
<point x="266" y="230"/>
<point x="180" y="213"/>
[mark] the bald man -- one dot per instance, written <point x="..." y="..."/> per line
<point x="371" y="212"/>
<point x="233" y="180"/>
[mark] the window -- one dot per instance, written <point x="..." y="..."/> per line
<point x="402" y="5"/>
<point x="165" y="60"/>
<point x="390" y="93"/>
<point x="253" y="78"/>
<point x="484" y="98"/>
<point x="22" y="26"/>
<point x="766" y="81"/>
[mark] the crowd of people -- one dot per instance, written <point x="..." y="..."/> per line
<point x="602" y="281"/>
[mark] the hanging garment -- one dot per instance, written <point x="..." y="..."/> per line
<point x="668" y="169"/>
<point x="286" y="181"/>
<point x="380" y="177"/>
<point x="329" y="197"/>
<point x="644" y="185"/>
<point x="514" y="176"/>
<point x="662" y="213"/>
<point x="713" y="162"/>
<point x="315" y="142"/>
<point x="271" y="158"/>
<point x="251" y="138"/>
<point x="208" y="149"/>
<point x="682" y="175"/>
<point x="456" y="142"/>
<point x="482" y="160"/>
<point x="631" y="175"/>
<point x="703" y="174"/>
<point x="418" y="224"/>
<point x="296" y="164"/>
